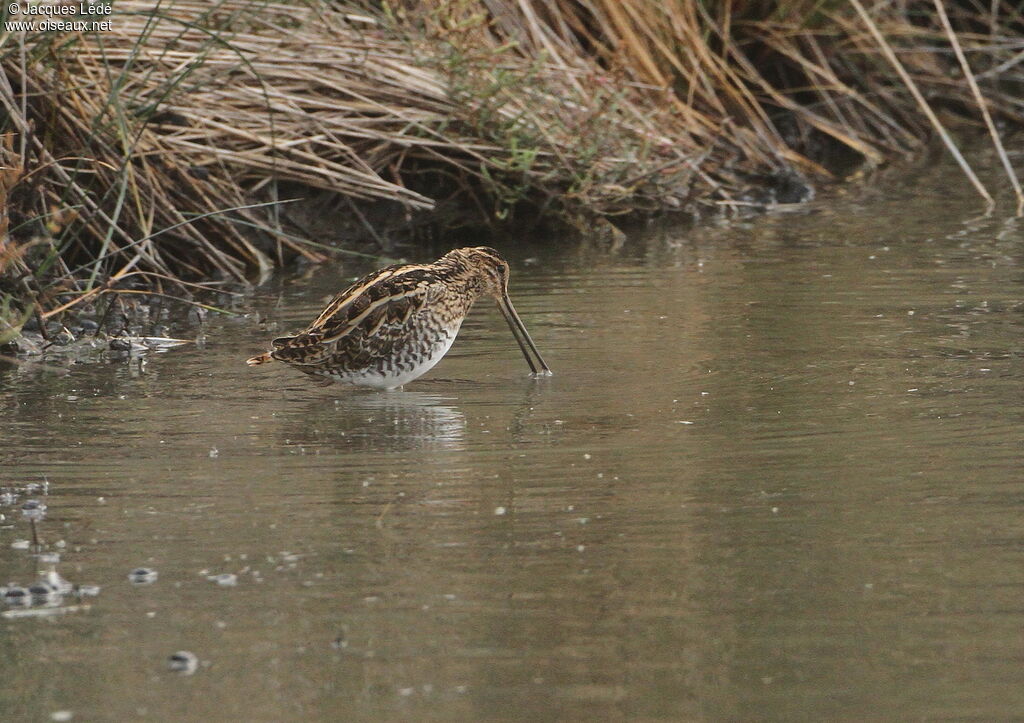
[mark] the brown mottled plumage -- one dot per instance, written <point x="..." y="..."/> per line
<point x="393" y="325"/>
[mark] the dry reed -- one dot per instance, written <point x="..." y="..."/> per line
<point x="157" y="151"/>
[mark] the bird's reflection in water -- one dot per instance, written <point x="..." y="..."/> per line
<point x="379" y="422"/>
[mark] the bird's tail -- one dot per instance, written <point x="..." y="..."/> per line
<point x="261" y="359"/>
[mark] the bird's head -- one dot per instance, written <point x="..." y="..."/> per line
<point x="490" y="271"/>
<point x="488" y="266"/>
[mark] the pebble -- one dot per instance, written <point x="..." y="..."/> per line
<point x="16" y="595"/>
<point x="33" y="510"/>
<point x="184" y="662"/>
<point x="142" y="576"/>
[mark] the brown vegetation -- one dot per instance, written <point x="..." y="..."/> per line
<point x="156" y="151"/>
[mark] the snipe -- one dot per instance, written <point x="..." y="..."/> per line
<point x="393" y="325"/>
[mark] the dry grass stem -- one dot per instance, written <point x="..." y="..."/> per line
<point x="997" y="141"/>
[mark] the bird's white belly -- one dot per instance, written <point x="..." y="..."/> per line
<point x="407" y="372"/>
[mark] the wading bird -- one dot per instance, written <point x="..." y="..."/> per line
<point x="393" y="325"/>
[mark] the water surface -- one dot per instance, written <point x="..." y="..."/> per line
<point x="777" y="475"/>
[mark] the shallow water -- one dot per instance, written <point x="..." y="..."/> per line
<point x="777" y="475"/>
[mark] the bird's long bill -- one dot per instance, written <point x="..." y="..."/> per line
<point x="522" y="337"/>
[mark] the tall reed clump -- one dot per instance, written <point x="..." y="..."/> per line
<point x="750" y="92"/>
<point x="155" y="155"/>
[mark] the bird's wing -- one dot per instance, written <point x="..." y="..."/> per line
<point x="368" y="320"/>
